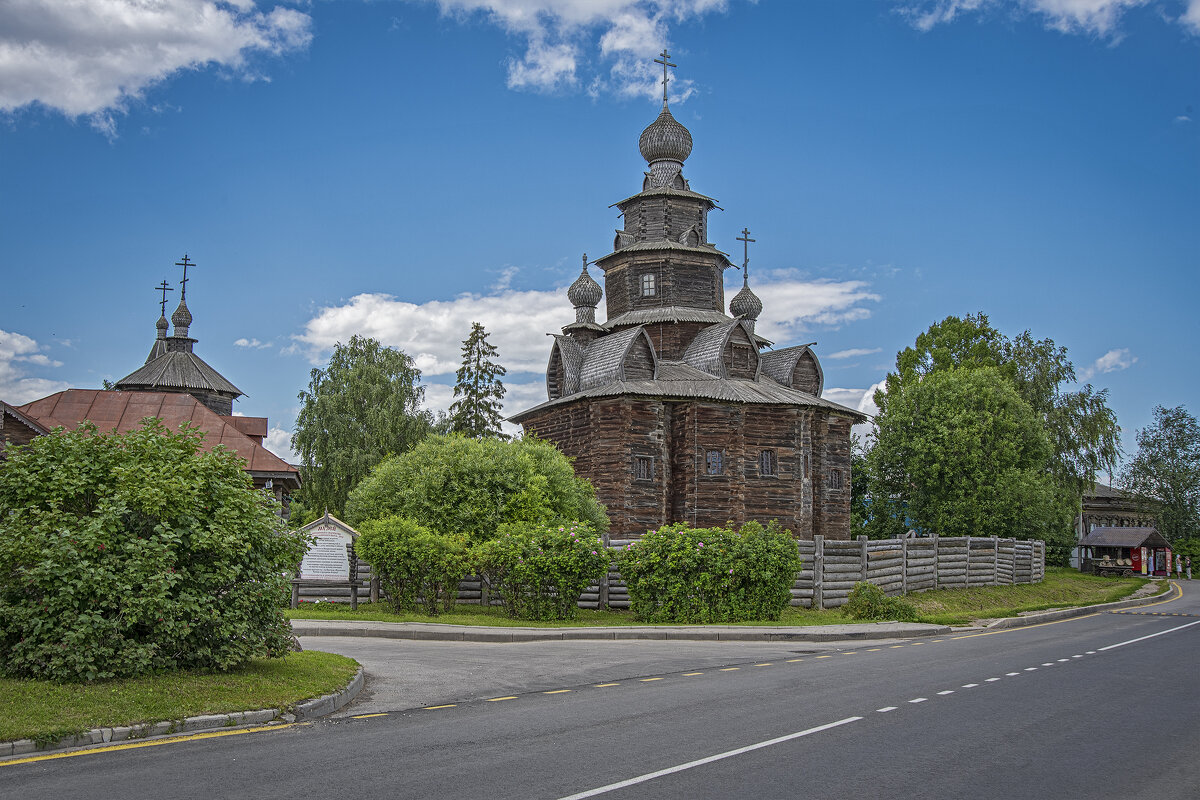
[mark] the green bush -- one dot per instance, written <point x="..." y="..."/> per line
<point x="124" y="555"/>
<point x="451" y="485"/>
<point x="867" y="601"/>
<point x="415" y="565"/>
<point x="706" y="575"/>
<point x="539" y="571"/>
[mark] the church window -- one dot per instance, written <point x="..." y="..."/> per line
<point x="643" y="468"/>
<point x="714" y="462"/>
<point x="767" y="463"/>
<point x="835" y="479"/>
<point x="649" y="285"/>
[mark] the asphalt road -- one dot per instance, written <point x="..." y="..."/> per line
<point x="1095" y="707"/>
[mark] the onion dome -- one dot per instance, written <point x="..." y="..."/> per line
<point x="162" y="325"/>
<point x="584" y="294"/>
<point x="182" y="319"/>
<point x="665" y="139"/>
<point x="746" y="304"/>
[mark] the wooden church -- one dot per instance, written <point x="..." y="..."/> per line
<point x="673" y="409"/>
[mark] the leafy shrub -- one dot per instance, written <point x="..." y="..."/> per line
<point x="867" y="601"/>
<point x="451" y="484"/>
<point x="415" y="565"/>
<point x="122" y="555"/>
<point x="539" y="571"/>
<point x="706" y="575"/>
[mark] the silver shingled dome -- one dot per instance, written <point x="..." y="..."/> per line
<point x="665" y="139"/>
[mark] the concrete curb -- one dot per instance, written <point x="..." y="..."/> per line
<point x="308" y="709"/>
<point x="432" y="632"/>
<point x="1082" y="611"/>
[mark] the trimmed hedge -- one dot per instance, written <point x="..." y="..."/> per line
<point x="539" y="571"/>
<point x="708" y="575"/>
<point x="416" y="566"/>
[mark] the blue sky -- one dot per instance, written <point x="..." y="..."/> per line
<point x="402" y="168"/>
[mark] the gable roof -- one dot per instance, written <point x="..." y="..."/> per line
<point x="707" y="350"/>
<point x="604" y="359"/>
<point x="1124" y="537"/>
<point x="124" y="411"/>
<point x="13" y="413"/>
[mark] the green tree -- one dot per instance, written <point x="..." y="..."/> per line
<point x="455" y="485"/>
<point x="362" y="408"/>
<point x="1083" y="430"/>
<point x="123" y="555"/>
<point x="1166" y="471"/>
<point x="960" y="453"/>
<point x="478" y="390"/>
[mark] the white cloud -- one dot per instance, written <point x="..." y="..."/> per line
<point x="861" y="400"/>
<point x="17" y="351"/>
<point x="1092" y="17"/>
<point x="560" y="35"/>
<point x="854" y="352"/>
<point x="93" y="57"/>
<point x="1182" y="118"/>
<point x="808" y="304"/>
<point x="1112" y="361"/>
<point x="253" y="343"/>
<point x="279" y="442"/>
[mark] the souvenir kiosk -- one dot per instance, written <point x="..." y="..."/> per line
<point x="1125" y="551"/>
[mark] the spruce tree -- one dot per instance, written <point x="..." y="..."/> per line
<point x="478" y="391"/>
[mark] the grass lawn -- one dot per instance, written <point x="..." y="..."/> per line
<point x="1061" y="588"/>
<point x="47" y="711"/>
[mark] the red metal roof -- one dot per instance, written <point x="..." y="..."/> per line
<point x="124" y="411"/>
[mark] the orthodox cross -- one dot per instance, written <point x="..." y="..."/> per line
<point x="666" y="62"/>
<point x="745" y="240"/>
<point x="185" y="264"/>
<point x="164" y="288"/>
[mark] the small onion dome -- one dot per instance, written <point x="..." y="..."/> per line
<point x="746" y="304"/>
<point x="665" y="139"/>
<point x="584" y="292"/>
<point x="182" y="319"/>
<point x="162" y="327"/>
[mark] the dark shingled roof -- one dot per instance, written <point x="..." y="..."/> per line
<point x="706" y="349"/>
<point x="779" y="364"/>
<point x="572" y="357"/>
<point x="666" y="244"/>
<point x="1124" y="537"/>
<point x="178" y="370"/>
<point x="666" y="191"/>
<point x="679" y="381"/>
<point x="124" y="411"/>
<point x="644" y="316"/>
<point x="604" y="359"/>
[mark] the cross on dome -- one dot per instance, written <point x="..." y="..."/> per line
<point x="665" y="60"/>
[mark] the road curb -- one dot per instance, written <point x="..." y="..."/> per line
<point x="308" y="709"/>
<point x="420" y="631"/>
<point x="1082" y="611"/>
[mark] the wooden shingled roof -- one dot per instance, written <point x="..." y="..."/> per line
<point x="178" y="370"/>
<point x="124" y="411"/>
<point x="1124" y="537"/>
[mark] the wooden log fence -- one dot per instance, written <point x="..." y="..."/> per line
<point x="829" y="570"/>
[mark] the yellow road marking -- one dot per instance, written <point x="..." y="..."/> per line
<point x="602" y="685"/>
<point x="498" y="699"/>
<point x="794" y="660"/>
<point x="557" y="691"/>
<point x="1026" y="627"/>
<point x="916" y="644"/>
<point x="148" y="743"/>
<point x="729" y="669"/>
<point x="647" y="680"/>
<point x="433" y="708"/>
<point x="874" y="649"/>
<point x="368" y="716"/>
<point x="849" y="653"/>
<point x="896" y="646"/>
<point x="690" y="674"/>
<point x="767" y="664"/>
<point x="824" y="656"/>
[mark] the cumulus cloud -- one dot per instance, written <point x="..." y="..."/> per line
<point x="17" y="353"/>
<point x="861" y="400"/>
<point x="1092" y="17"/>
<point x="252" y="343"/>
<point x="854" y="352"/>
<point x="90" y="58"/>
<point x="794" y="306"/>
<point x="1112" y="361"/>
<point x="279" y="442"/>
<point x="608" y="43"/>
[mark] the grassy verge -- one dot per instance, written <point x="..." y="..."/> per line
<point x="49" y="711"/>
<point x="1061" y="588"/>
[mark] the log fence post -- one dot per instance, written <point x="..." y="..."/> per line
<point x="818" y="600"/>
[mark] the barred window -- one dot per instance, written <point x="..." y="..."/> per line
<point x="714" y="462"/>
<point x="649" y="285"/>
<point x="643" y="468"/>
<point x="835" y="479"/>
<point x="767" y="463"/>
